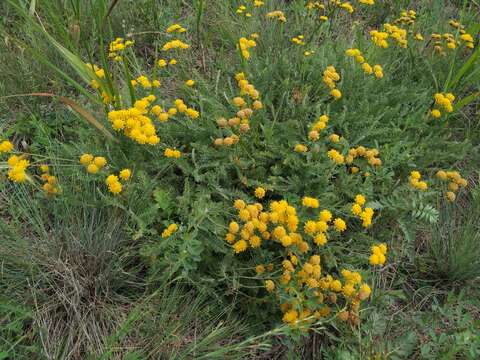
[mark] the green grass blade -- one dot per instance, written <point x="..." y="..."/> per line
<point x="464" y="69"/>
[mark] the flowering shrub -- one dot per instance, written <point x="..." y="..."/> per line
<point x="317" y="128"/>
<point x="292" y="252"/>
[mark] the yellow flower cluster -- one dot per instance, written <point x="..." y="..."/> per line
<point x="343" y="5"/>
<point x="415" y="182"/>
<point x="282" y="217"/>
<point x="50" y="186"/>
<point x="418" y="37"/>
<point x="134" y="122"/>
<point x="330" y="78"/>
<point x="298" y="40"/>
<point x="367" y="68"/>
<point x="366" y="214"/>
<point x="145" y="82"/>
<point x="443" y="101"/>
<point x="279" y="15"/>
<point x="464" y="36"/>
<point x="227" y="141"/>
<point x="117" y="46"/>
<point x="6" y="146"/>
<point x="113" y="181"/>
<point x="379" y="38"/>
<point x="316" y="5"/>
<point x="18" y="167"/>
<point x="243" y="115"/>
<point x="367" y="2"/>
<point x="16" y="164"/>
<point x="301" y="271"/>
<point x="114" y="185"/>
<point x="254" y="220"/>
<point x="379" y="254"/>
<point x="245" y="44"/>
<point x="176" y="28"/>
<point x="468" y="40"/>
<point x="242" y="9"/>
<point x="320" y="125"/>
<point x="361" y="151"/>
<point x="310" y="202"/>
<point x="398" y="34"/>
<point x="169" y="230"/>
<point x="100" y="73"/>
<point x="162" y="115"/>
<point x="172" y="153"/>
<point x="311" y="5"/>
<point x="346" y="6"/>
<point x="174" y="45"/>
<point x="438" y="39"/>
<point x="247" y="88"/>
<point x="407" y="17"/>
<point x="93" y="164"/>
<point x="318" y="294"/>
<point x="163" y="63"/>
<point x="336" y="156"/>
<point x="184" y="109"/>
<point x="455" y="181"/>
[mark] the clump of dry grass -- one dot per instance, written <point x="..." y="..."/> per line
<point x="76" y="280"/>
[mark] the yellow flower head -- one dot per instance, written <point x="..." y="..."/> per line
<point x="300" y="148"/>
<point x="86" y="159"/>
<point x="340" y="225"/>
<point x="6" y="146"/>
<point x="125" y="174"/>
<point x="100" y="161"/>
<point x="92" y="168"/>
<point x="325" y="216"/>
<point x="269" y="285"/>
<point x="360" y="199"/>
<point x="259" y="193"/>
<point x="240" y="246"/>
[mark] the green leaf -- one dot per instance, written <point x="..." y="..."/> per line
<point x="465" y="68"/>
<point x="466" y="101"/>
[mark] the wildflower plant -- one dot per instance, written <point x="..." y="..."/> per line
<point x="320" y="142"/>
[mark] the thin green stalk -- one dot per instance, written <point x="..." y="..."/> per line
<point x="199" y="19"/>
<point x="128" y="78"/>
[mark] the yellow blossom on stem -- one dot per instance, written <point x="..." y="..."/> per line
<point x="260" y="192"/>
<point x="6" y="146"/>
<point x="169" y="230"/>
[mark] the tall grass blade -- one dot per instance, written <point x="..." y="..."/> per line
<point x="110" y="9"/>
<point x="73" y="60"/>
<point x="199" y="19"/>
<point x="466" y="101"/>
<point x="84" y="113"/>
<point x="464" y="69"/>
<point x="87" y="116"/>
<point x="33" y="4"/>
